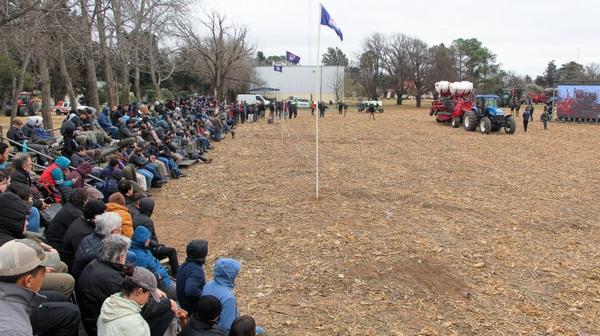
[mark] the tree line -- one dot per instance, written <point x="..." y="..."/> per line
<point x="118" y="51"/>
<point x="408" y="65"/>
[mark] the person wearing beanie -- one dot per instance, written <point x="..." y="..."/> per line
<point x="80" y="228"/>
<point x="13" y="217"/>
<point x="205" y="317"/>
<point x="54" y="176"/>
<point x="140" y="246"/>
<point x="191" y="278"/>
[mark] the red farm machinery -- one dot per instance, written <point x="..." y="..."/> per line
<point x="454" y="100"/>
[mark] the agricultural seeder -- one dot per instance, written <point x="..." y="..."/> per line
<point x="453" y="102"/>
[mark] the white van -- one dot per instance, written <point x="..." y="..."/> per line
<point x="252" y="99"/>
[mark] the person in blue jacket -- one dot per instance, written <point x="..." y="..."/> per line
<point x="140" y="242"/>
<point x="225" y="272"/>
<point x="190" y="277"/>
<point x="106" y="124"/>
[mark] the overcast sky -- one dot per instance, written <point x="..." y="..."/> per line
<point x="524" y="34"/>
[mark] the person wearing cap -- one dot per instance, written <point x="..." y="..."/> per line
<point x="79" y="229"/>
<point x="191" y="278"/>
<point x="22" y="272"/>
<point x="140" y="244"/>
<point x="120" y="313"/>
<point x="205" y="318"/>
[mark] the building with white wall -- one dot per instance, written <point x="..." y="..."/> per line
<point x="301" y="81"/>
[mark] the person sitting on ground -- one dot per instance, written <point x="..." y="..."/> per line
<point x="106" y="224"/>
<point x="160" y="251"/>
<point x="243" y="326"/>
<point x="64" y="218"/>
<point x="22" y="273"/>
<point x="205" y="317"/>
<point x="225" y="273"/>
<point x="21" y="143"/>
<point x="106" y="124"/>
<point x="24" y="193"/>
<point x="79" y="229"/>
<point x="140" y="246"/>
<point x="191" y="278"/>
<point x="4" y="181"/>
<point x="116" y="204"/>
<point x="54" y="176"/>
<point x="4" y="154"/>
<point x="101" y="278"/>
<point x="121" y="313"/>
<point x="79" y="174"/>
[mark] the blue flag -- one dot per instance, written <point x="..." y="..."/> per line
<point x="326" y="20"/>
<point x="278" y="67"/>
<point x="292" y="58"/>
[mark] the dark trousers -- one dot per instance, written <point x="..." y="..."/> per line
<point x="525" y="123"/>
<point x="545" y="124"/>
<point x="56" y="316"/>
<point x="162" y="251"/>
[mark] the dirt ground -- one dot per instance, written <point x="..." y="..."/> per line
<point x="421" y="229"/>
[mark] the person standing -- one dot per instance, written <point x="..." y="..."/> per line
<point x="371" y="110"/>
<point x="526" y="116"/>
<point x="545" y="117"/>
<point x="345" y="108"/>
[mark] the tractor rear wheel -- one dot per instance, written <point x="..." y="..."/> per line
<point x="510" y="125"/>
<point x="455" y="122"/>
<point x="470" y="121"/>
<point x="485" y="125"/>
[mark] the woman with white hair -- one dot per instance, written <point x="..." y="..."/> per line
<point x="106" y="224"/>
<point x="101" y="278"/>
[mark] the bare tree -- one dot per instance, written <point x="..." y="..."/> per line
<point x="395" y="62"/>
<point x="419" y="65"/>
<point x="221" y="54"/>
<point x="87" y="41"/>
<point x="371" y="76"/>
<point x="337" y="85"/>
<point x="592" y="72"/>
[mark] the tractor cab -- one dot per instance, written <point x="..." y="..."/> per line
<point x="488" y="105"/>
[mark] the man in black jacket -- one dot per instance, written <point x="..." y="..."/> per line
<point x="160" y="251"/>
<point x="79" y="229"/>
<point x="64" y="218"/>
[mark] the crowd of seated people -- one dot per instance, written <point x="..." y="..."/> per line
<point x="96" y="266"/>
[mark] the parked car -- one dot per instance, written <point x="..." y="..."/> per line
<point x="63" y="107"/>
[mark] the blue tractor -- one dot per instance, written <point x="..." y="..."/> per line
<point x="487" y="117"/>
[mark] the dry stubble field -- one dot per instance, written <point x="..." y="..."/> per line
<point x="420" y="228"/>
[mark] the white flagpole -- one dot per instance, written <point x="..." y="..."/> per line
<point x="317" y="112"/>
<point x="283" y="112"/>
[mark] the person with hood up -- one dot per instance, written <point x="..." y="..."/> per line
<point x="106" y="124"/>
<point x="116" y="204"/>
<point x="160" y="251"/>
<point x="78" y="174"/>
<point x="54" y="176"/>
<point x="191" y="278"/>
<point x="13" y="217"/>
<point x="225" y="273"/>
<point x="80" y="228"/>
<point x="204" y="318"/>
<point x="121" y="312"/>
<point x="140" y="243"/>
